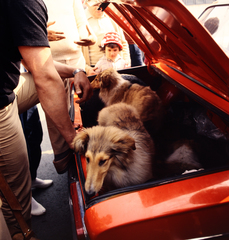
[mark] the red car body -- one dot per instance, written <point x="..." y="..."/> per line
<point x="193" y="67"/>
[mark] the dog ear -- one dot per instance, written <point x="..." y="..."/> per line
<point x="95" y="84"/>
<point x="80" y="142"/>
<point x="105" y="81"/>
<point x="106" y="77"/>
<point x="123" y="143"/>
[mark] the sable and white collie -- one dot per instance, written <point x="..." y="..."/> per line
<point x="114" y="89"/>
<point x="119" y="151"/>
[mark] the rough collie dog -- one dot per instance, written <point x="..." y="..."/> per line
<point x="114" y="89"/>
<point x="119" y="151"/>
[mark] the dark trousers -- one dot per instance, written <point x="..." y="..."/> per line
<point x="33" y="134"/>
<point x="135" y="55"/>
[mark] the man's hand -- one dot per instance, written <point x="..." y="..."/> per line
<point x="91" y="40"/>
<point x="81" y="82"/>
<point x="85" y="42"/>
<point x="53" y="35"/>
<point x="82" y="87"/>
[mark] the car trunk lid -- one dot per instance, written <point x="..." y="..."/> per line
<point x="170" y="35"/>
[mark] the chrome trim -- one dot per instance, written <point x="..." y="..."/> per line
<point x="217" y="236"/>
<point x="82" y="210"/>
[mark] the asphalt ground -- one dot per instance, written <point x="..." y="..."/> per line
<point x="55" y="224"/>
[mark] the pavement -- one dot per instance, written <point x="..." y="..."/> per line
<point x="55" y="224"/>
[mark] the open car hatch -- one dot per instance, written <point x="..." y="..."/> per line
<point x="176" y="43"/>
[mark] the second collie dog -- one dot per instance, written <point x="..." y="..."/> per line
<point x="114" y="89"/>
<point x="119" y="151"/>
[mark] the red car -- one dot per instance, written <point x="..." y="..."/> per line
<point x="188" y="66"/>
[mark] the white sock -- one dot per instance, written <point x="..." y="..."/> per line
<point x="36" y="208"/>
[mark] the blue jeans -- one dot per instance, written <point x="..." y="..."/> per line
<point x="135" y="55"/>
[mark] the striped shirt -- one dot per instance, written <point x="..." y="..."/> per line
<point x="105" y="63"/>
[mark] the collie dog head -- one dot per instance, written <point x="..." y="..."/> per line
<point x="103" y="148"/>
<point x="115" y="89"/>
<point x="107" y="79"/>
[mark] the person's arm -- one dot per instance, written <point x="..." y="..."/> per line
<point x="49" y="87"/>
<point x="90" y="70"/>
<point x="82" y="85"/>
<point x="53" y="35"/>
<point x="86" y="35"/>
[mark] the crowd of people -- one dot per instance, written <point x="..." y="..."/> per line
<point x="57" y="43"/>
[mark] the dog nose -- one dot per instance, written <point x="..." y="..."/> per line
<point x="90" y="193"/>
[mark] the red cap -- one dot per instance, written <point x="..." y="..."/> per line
<point x="111" y="37"/>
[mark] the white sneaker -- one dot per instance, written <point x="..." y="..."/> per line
<point x="36" y="208"/>
<point x="39" y="183"/>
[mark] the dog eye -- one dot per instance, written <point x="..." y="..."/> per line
<point x="88" y="160"/>
<point x="101" y="162"/>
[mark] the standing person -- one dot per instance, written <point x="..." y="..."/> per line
<point x="33" y="135"/>
<point x="33" y="132"/>
<point x="24" y="37"/>
<point x="135" y="52"/>
<point x="101" y="24"/>
<point x="112" y="46"/>
<point x="68" y="19"/>
<point x="68" y="30"/>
